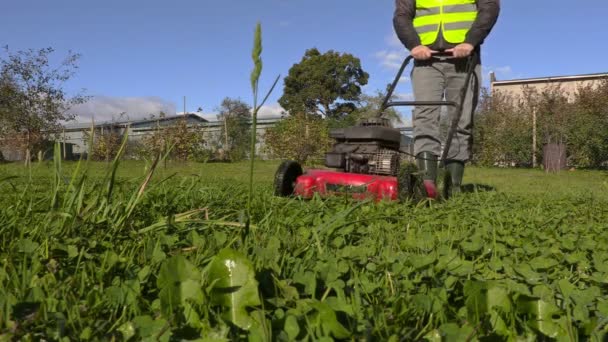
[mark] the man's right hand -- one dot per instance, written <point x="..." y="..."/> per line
<point x="422" y="52"/>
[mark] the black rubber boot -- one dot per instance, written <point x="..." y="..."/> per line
<point x="427" y="164"/>
<point x="456" y="170"/>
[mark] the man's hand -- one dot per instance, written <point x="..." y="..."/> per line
<point x="461" y="50"/>
<point x="422" y="52"/>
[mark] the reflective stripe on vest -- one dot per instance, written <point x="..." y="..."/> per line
<point x="453" y="17"/>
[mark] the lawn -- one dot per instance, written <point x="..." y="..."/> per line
<point x="91" y="255"/>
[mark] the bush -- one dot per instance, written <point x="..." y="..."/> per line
<point x="299" y="137"/>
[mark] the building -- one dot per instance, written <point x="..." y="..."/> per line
<point x="77" y="134"/>
<point x="568" y="84"/>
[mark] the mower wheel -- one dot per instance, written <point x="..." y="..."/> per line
<point x="410" y="185"/>
<point x="285" y="178"/>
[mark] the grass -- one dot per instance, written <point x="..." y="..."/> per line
<point x="90" y="257"/>
<point x="527" y="182"/>
<point x="524" y="182"/>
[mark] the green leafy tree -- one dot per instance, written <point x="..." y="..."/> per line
<point x="235" y="117"/>
<point x="503" y="133"/>
<point x="106" y="143"/>
<point x="298" y="137"/>
<point x="326" y="84"/>
<point x="34" y="102"/>
<point x="588" y="127"/>
<point x="368" y="107"/>
<point x="106" y="139"/>
<point x="180" y="141"/>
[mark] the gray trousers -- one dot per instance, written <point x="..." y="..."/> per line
<point x="436" y="81"/>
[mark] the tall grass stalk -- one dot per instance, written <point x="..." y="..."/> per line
<point x="255" y="77"/>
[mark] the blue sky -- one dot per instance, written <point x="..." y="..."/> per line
<point x="144" y="56"/>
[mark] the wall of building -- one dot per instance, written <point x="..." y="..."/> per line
<point x="569" y="85"/>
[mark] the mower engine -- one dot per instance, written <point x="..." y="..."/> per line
<point x="365" y="163"/>
<point x="372" y="147"/>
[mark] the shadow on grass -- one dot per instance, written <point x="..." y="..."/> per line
<point x="470" y="188"/>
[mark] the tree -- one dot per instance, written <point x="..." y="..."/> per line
<point x="369" y="107"/>
<point x="298" y="137"/>
<point x="106" y="142"/>
<point x="588" y="127"/>
<point x="180" y="140"/>
<point x="235" y="116"/>
<point x="34" y="102"/>
<point x="503" y="135"/>
<point x="326" y="84"/>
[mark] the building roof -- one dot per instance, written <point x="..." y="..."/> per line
<point x="582" y="77"/>
<point x="84" y="125"/>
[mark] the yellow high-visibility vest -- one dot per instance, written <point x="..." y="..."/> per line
<point x="453" y="17"/>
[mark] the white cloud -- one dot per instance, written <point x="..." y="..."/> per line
<point x="284" y="23"/>
<point x="270" y="111"/>
<point x="501" y="72"/>
<point x="106" y="108"/>
<point x="404" y="96"/>
<point x="405" y="79"/>
<point x="504" y="70"/>
<point x="391" y="59"/>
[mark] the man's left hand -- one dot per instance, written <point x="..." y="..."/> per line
<point x="461" y="50"/>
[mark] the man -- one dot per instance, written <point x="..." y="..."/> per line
<point x="456" y="27"/>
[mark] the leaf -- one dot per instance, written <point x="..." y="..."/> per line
<point x="602" y="307"/>
<point x="566" y="288"/>
<point x="72" y="251"/>
<point x="542" y="263"/>
<point x="127" y="330"/>
<point x="27" y="246"/>
<point x="292" y="328"/>
<point x="329" y="322"/>
<point x="484" y="298"/>
<point x="114" y="296"/>
<point x="543" y="292"/>
<point x="179" y="282"/>
<point x="234" y="286"/>
<point x="433" y="336"/>
<point x="260" y="329"/>
<point x="451" y="332"/>
<point x="529" y="275"/>
<point x="85" y="334"/>
<point x="307" y="279"/>
<point x="545" y="317"/>
<point x="422" y="261"/>
<point x="149" y="329"/>
<point x="472" y="246"/>
<point x="338" y="304"/>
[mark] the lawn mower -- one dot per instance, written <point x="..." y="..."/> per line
<point x="364" y="161"/>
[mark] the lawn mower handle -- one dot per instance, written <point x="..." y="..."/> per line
<point x="472" y="62"/>
<point x="440" y="55"/>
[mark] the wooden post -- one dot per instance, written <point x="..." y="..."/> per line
<point x="64" y="152"/>
<point x="27" y="151"/>
<point x="226" y="132"/>
<point x="534" y="161"/>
